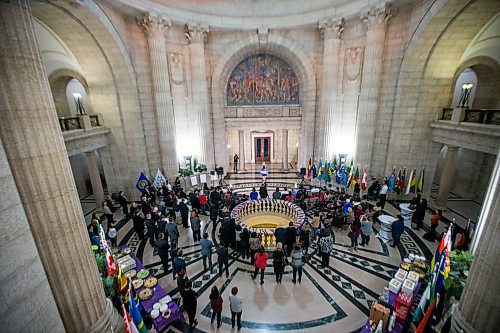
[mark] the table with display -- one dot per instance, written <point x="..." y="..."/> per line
<point x="385" y="232"/>
<point x="161" y="322"/>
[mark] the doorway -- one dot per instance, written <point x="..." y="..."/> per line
<point x="262" y="149"/>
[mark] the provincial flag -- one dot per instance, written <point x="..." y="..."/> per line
<point x="136" y="316"/>
<point x="420" y="186"/>
<point x="365" y="180"/>
<point x="102" y="237"/>
<point x="413" y="181"/>
<point x="142" y="182"/>
<point x="398" y="186"/>
<point x="320" y="169"/>
<point x="326" y="174"/>
<point x="409" y="182"/>
<point x="122" y="280"/>
<point x="355" y="177"/>
<point x="128" y="323"/>
<point x="392" y="179"/>
<point x="159" y="179"/>
<point x="331" y="171"/>
<point x="309" y="168"/>
<point x="344" y="176"/>
<point x="112" y="265"/>
<point x="314" y="171"/>
<point x="403" y="180"/>
<point x="338" y="175"/>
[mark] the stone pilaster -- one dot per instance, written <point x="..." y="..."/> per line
<point x="155" y="27"/>
<point x="329" y="124"/>
<point x="196" y="35"/>
<point x="241" y="143"/>
<point x="95" y="177"/>
<point x="479" y="303"/>
<point x="36" y="154"/>
<point x="376" y="23"/>
<point x="446" y="179"/>
<point x="285" y="149"/>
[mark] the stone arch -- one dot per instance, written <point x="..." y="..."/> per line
<point x="291" y="52"/>
<point x="426" y="77"/>
<point x="488" y="87"/>
<point x="58" y="81"/>
<point x="111" y="81"/>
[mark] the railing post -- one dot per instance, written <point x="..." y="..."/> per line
<point x="84" y="122"/>
<point x="458" y="115"/>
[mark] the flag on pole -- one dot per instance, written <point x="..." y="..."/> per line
<point x="159" y="179"/>
<point x="129" y="324"/>
<point x="314" y="170"/>
<point x="420" y="186"/>
<point x="326" y="173"/>
<point x="136" y="316"/>
<point x="420" y="310"/>
<point x="112" y="265"/>
<point x="413" y="181"/>
<point x="403" y="180"/>
<point x="309" y="168"/>
<point x="355" y="177"/>
<point x="392" y="179"/>
<point x="409" y="182"/>
<point x="338" y="175"/>
<point x="122" y="280"/>
<point x="142" y="182"/>
<point x="344" y="176"/>
<point x="365" y="180"/>
<point x="330" y="172"/>
<point x="320" y="169"/>
<point x="398" y="186"/>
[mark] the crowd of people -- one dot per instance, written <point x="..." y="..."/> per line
<point x="160" y="212"/>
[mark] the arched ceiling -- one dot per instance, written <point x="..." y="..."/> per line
<point x="251" y="14"/>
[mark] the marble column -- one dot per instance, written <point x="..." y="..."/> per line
<point x="155" y="27"/>
<point x="196" y="34"/>
<point x="36" y="153"/>
<point x="376" y="22"/>
<point x="329" y="126"/>
<point x="95" y="177"/>
<point x="285" y="149"/>
<point x="478" y="310"/>
<point x="446" y="179"/>
<point x="241" y="142"/>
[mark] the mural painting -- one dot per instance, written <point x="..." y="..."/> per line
<point x="262" y="79"/>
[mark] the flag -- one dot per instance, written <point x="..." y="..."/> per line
<point x="409" y="182"/>
<point x="392" y="179"/>
<point x="338" y="175"/>
<point x="413" y="181"/>
<point x="326" y="174"/>
<point x="344" y="176"/>
<point x="142" y="182"/>
<point x="159" y="179"/>
<point x="442" y="257"/>
<point x="129" y="324"/>
<point x="335" y="161"/>
<point x="398" y="186"/>
<point x="112" y="265"/>
<point x="420" y="186"/>
<point x="136" y="315"/>
<point x="420" y="310"/>
<point x="102" y="237"/>
<point x="355" y="177"/>
<point x="365" y="180"/>
<point x="133" y="294"/>
<point x="122" y="280"/>
<point x="330" y="172"/>
<point x="309" y="168"/>
<point x="403" y="180"/>
<point x="320" y="169"/>
<point x="423" y="323"/>
<point x="314" y="171"/>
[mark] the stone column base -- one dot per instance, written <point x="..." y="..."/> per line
<point x="109" y="321"/>
<point x="458" y="323"/>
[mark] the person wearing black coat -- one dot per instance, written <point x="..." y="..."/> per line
<point x="122" y="199"/>
<point x="138" y="222"/>
<point x="291" y="237"/>
<point x="263" y="192"/>
<point x="162" y="247"/>
<point x="245" y="243"/>
<point x="184" y="210"/>
<point x="151" y="227"/>
<point x="419" y="213"/>
<point x="190" y="302"/>
<point x="222" y="258"/>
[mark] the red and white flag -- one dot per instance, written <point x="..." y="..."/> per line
<point x="364" y="181"/>
<point x="129" y="324"/>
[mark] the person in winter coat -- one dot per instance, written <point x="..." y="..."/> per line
<point x="366" y="230"/>
<point x="354" y="234"/>
<point x="173" y="233"/>
<point x="203" y="202"/>
<point x="419" y="213"/>
<point x="325" y="246"/>
<point x="196" y="225"/>
<point x="162" y="246"/>
<point x="138" y="223"/>
<point x="216" y="305"/>
<point x="245" y="243"/>
<point x="122" y="199"/>
<point x="291" y="237"/>
<point x="178" y="264"/>
<point x="184" y="210"/>
<point x="280" y="234"/>
<point x="254" y="246"/>
<point x="260" y="263"/>
<point x="190" y="302"/>
<point x="305" y="237"/>
<point x="206" y="251"/>
<point x="222" y="258"/>
<point x="398" y="227"/>
<point x="297" y="262"/>
<point x="279" y="262"/>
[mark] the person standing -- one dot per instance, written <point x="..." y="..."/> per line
<point x="279" y="262"/>
<point x="260" y="263"/>
<point x="366" y="230"/>
<point x="435" y="218"/>
<point x="173" y="233"/>
<point x="297" y="262"/>
<point x="291" y="237"/>
<point x="122" y="199"/>
<point x="263" y="191"/>
<point x="254" y="246"/>
<point x="203" y="201"/>
<point x="305" y="237"/>
<point x="109" y="214"/>
<point x="235" y="160"/>
<point x="245" y="243"/>
<point x="236" y="307"/>
<point x="254" y="195"/>
<point x="138" y="223"/>
<point x="184" y="210"/>
<point x="196" y="225"/>
<point x="113" y="235"/>
<point x="178" y="264"/>
<point x="162" y="246"/>
<point x="150" y="229"/>
<point x="216" y="305"/>
<point x="190" y="302"/>
<point x="383" y="194"/>
<point x="277" y="194"/>
<point x="325" y="246"/>
<point x="280" y="234"/>
<point x="419" y="213"/>
<point x="398" y="228"/>
<point x="354" y="234"/>
<point x="206" y="251"/>
<point x="222" y="258"/>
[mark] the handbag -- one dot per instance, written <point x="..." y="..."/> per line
<point x="305" y="258"/>
<point x="350" y="234"/>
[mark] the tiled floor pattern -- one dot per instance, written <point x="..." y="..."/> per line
<point x="332" y="299"/>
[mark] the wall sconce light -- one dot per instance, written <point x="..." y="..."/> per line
<point x="464" y="99"/>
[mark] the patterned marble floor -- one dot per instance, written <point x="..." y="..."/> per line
<point x="333" y="299"/>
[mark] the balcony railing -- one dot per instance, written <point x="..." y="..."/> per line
<point x="84" y="122"/>
<point x="477" y="116"/>
<point x="94" y="120"/>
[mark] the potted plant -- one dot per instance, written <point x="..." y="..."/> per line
<point x="185" y="172"/>
<point x="460" y="262"/>
<point x="201" y="168"/>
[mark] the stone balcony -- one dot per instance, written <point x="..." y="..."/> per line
<point x="83" y="133"/>
<point x="473" y="129"/>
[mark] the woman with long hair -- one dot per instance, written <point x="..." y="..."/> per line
<point x="216" y="305"/>
<point x="260" y="263"/>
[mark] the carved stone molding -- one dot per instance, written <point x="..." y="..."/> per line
<point x="352" y="65"/>
<point x="331" y="28"/>
<point x="270" y="111"/>
<point x="196" y="32"/>
<point x="152" y="24"/>
<point x="377" y="18"/>
<point x="263" y="33"/>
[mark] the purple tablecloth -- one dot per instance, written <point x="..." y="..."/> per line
<point x="159" y="323"/>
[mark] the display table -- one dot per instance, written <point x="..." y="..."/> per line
<point x="385" y="232"/>
<point x="161" y="322"/>
<point x="406" y="213"/>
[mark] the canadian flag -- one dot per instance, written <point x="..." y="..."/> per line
<point x="112" y="268"/>
<point x="365" y="180"/>
<point x="129" y="324"/>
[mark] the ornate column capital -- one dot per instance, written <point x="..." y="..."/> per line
<point x="196" y="32"/>
<point x="331" y="28"/>
<point x="152" y="24"/>
<point x="377" y="18"/>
